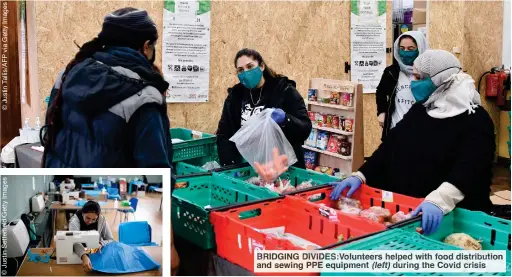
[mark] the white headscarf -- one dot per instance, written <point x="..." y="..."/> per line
<point x="455" y="93"/>
<point x="421" y="43"/>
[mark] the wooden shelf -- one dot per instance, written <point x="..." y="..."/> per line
<point x="332" y="106"/>
<point x="327" y="153"/>
<point x="332" y="130"/>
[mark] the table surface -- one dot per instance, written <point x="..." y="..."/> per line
<point x="43" y="269"/>
<point x="108" y="206"/>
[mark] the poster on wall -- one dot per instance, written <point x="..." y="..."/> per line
<point x="368" y="42"/>
<point x="186" y="50"/>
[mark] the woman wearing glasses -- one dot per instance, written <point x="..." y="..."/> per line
<point x="89" y="218"/>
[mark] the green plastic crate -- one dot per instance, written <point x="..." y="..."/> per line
<point x="194" y="166"/>
<point x="398" y="239"/>
<point x="191" y="148"/>
<point x="191" y="205"/>
<point x="295" y="175"/>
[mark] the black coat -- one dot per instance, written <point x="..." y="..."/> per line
<point x="285" y="96"/>
<point x="385" y="95"/>
<point x="422" y="152"/>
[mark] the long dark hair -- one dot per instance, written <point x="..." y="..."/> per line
<point x="268" y="73"/>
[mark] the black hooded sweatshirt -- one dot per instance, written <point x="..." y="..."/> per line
<point x="276" y="93"/>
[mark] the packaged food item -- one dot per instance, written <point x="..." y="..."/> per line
<point x="325" y="100"/>
<point x="419" y="230"/>
<point x="323" y="140"/>
<point x="305" y="185"/>
<point x="348" y="202"/>
<point x="319" y="119"/>
<point x="334" y="144"/>
<point x="349" y="125"/>
<point x="328" y="122"/>
<point x="254" y="180"/>
<point x="312" y="117"/>
<point x="312" y="138"/>
<point x="464" y="241"/>
<point x="324" y="169"/>
<point x="335" y="122"/>
<point x="342" y="123"/>
<point x="345" y="148"/>
<point x="335" y="98"/>
<point x="400" y="216"/>
<point x="346" y="99"/>
<point x="310" y="159"/>
<point x="312" y="94"/>
<point x="181" y="185"/>
<point x="377" y="214"/>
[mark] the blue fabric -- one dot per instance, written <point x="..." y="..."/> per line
<point x="119" y="258"/>
<point x="93" y="137"/>
<point x="352" y="182"/>
<point x="93" y="193"/>
<point x="87" y="185"/>
<point x="431" y="217"/>
<point x="135" y="233"/>
<point x="81" y="203"/>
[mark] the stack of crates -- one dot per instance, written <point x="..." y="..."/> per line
<point x="196" y="149"/>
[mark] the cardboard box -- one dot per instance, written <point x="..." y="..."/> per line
<point x="420" y="4"/>
<point x="501" y="197"/>
<point x="419" y="16"/>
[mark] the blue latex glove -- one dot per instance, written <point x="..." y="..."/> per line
<point x="278" y="116"/>
<point x="351" y="182"/>
<point x="431" y="217"/>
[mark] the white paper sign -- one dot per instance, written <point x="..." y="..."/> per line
<point x="186" y="50"/>
<point x="368" y="42"/>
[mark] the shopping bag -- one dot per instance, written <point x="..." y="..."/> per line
<point x="264" y="146"/>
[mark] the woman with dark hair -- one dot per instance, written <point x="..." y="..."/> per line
<point x="89" y="218"/>
<point x="107" y="109"/>
<point x="260" y="88"/>
<point x="394" y="96"/>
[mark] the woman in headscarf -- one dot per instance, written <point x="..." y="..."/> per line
<point x="443" y="148"/>
<point x="394" y="96"/>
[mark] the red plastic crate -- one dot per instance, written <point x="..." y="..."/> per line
<point x="368" y="197"/>
<point x="237" y="237"/>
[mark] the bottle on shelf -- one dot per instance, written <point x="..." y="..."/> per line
<point x="38" y="123"/>
<point x="26" y="126"/>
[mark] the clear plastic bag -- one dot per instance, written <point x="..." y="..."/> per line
<point x="259" y="140"/>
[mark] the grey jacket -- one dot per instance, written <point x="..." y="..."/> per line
<point x="103" y="228"/>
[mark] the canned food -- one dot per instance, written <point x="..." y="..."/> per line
<point x="349" y="125"/>
<point x="335" y="122"/>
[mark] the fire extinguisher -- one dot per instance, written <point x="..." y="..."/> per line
<point x="494" y="81"/>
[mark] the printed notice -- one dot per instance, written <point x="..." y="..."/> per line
<point x="186" y="50"/>
<point x="457" y="261"/>
<point x="368" y="42"/>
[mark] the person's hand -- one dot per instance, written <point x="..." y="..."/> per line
<point x="86" y="263"/>
<point x="99" y="248"/>
<point x="270" y="171"/>
<point x="431" y="217"/>
<point x="351" y="182"/>
<point x="278" y="116"/>
<point x="381" y="118"/>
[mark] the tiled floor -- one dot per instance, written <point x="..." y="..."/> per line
<point x="148" y="209"/>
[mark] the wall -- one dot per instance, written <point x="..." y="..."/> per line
<point x="151" y="178"/>
<point x="467" y="24"/>
<point x="19" y="192"/>
<point x="312" y="41"/>
<point x="290" y="42"/>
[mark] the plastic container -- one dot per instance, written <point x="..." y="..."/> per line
<point x="398" y="239"/>
<point x="191" y="205"/>
<point x="295" y="175"/>
<point x="191" y="147"/>
<point x="239" y="229"/>
<point x="368" y="197"/>
<point x="493" y="232"/>
<point x="194" y="166"/>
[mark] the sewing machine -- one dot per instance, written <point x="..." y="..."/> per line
<point x="71" y="195"/>
<point x="65" y="241"/>
<point x="67" y="186"/>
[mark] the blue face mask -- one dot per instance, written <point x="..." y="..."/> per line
<point x="422" y="89"/>
<point x="408" y="57"/>
<point x="250" y="78"/>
